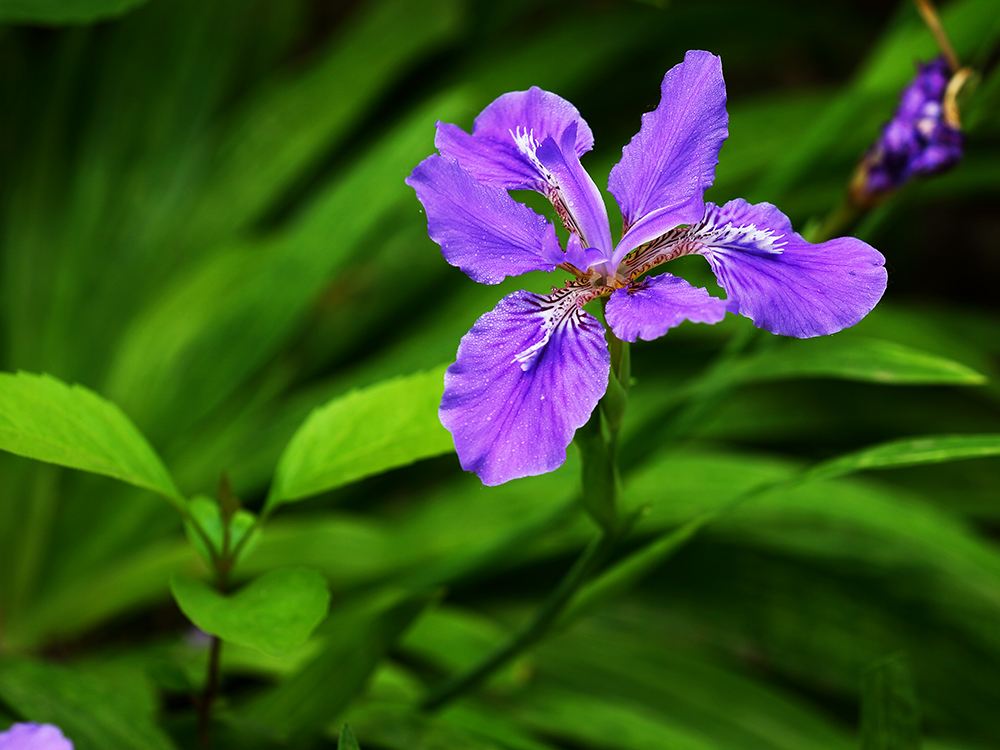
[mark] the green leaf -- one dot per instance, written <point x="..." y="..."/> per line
<point x="94" y="711"/>
<point x="890" y="718"/>
<point x="346" y="740"/>
<point x="852" y="358"/>
<point x="274" y="613"/>
<point x="909" y="452"/>
<point x="366" y="432"/>
<point x="357" y="639"/>
<point x="47" y="420"/>
<point x="62" y="11"/>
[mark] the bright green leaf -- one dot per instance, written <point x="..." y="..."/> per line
<point x="852" y="358"/>
<point x="367" y="431"/>
<point x="274" y="613"/>
<point x="47" y="420"/>
<point x="910" y="452"/>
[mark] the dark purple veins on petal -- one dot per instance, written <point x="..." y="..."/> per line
<point x="500" y="150"/>
<point x="480" y="228"/>
<point x="783" y="283"/>
<point x="667" y="166"/>
<point x="527" y="375"/>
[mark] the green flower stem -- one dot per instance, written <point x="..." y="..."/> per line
<point x="598" y="443"/>
<point x="539" y="626"/>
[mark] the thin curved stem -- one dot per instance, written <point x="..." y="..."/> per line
<point x="588" y="562"/>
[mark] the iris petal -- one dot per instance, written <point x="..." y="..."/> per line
<point x="783" y="283"/>
<point x="480" y="228"/>
<point x="28" y="736"/>
<point x="528" y="375"/>
<point x="501" y="148"/>
<point x="649" y="308"/>
<point x="666" y="168"/>
<point x="576" y="191"/>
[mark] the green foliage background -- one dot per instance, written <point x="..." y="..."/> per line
<point x="204" y="221"/>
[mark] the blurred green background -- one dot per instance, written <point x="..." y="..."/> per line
<point x="203" y="219"/>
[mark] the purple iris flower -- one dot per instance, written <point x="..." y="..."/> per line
<point x="920" y="139"/>
<point x="531" y="371"/>
<point x="34" y="737"/>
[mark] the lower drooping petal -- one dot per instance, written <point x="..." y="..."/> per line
<point x="527" y="376"/>
<point x="783" y="283"/>
<point x="648" y="308"/>
<point x="480" y="228"/>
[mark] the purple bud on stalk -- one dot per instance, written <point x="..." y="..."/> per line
<point x="922" y="138"/>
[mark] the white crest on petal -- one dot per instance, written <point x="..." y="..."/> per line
<point x="562" y="307"/>
<point x="722" y="236"/>
<point x="527" y="144"/>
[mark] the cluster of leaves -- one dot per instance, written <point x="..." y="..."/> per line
<point x="204" y="221"/>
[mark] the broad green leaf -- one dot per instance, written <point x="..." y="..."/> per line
<point x="47" y="420"/>
<point x="909" y="452"/>
<point x="366" y="432"/>
<point x="95" y="711"/>
<point x="62" y="11"/>
<point x="890" y="718"/>
<point x="357" y="638"/>
<point x="274" y="613"/>
<point x="346" y="740"/>
<point x="851" y="358"/>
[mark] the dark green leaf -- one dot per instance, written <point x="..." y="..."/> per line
<point x="890" y="719"/>
<point x="62" y="11"/>
<point x="346" y="740"/>
<point x="628" y="572"/>
<point x="94" y="712"/>
<point x="313" y="698"/>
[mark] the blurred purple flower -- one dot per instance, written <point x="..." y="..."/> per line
<point x="34" y="737"/>
<point x="919" y="139"/>
<point x="530" y="372"/>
